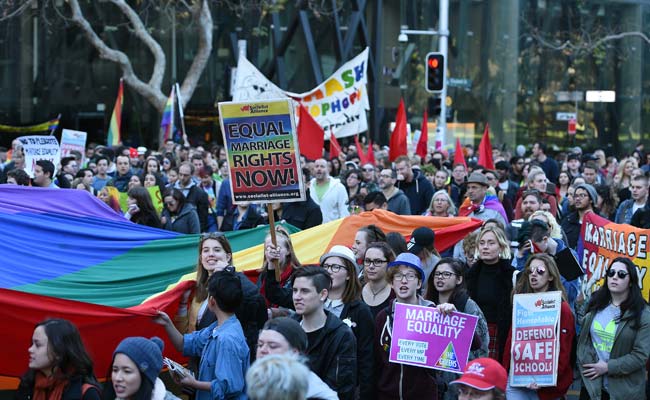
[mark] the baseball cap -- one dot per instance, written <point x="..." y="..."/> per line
<point x="484" y="374"/>
<point x="142" y="150"/>
<point x="421" y="238"/>
<point x="409" y="260"/>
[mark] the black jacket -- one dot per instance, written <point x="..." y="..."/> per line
<point x="282" y="296"/>
<point x="363" y="327"/>
<point x="419" y="192"/>
<point x="199" y="198"/>
<point x="571" y="226"/>
<point x="252" y="219"/>
<point x="332" y="356"/>
<point x="302" y="214"/>
<point x="503" y="292"/>
<point x="71" y="392"/>
<point x="187" y="220"/>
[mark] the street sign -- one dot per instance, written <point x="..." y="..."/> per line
<point x="601" y="96"/>
<point x="565" y="116"/>
<point x="571" y="128"/>
<point x="569" y="96"/>
<point x="460" y="83"/>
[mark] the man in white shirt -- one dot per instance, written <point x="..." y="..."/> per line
<point x="329" y="193"/>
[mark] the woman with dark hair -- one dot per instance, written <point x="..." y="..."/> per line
<point x="447" y="285"/>
<point x="179" y="216"/>
<point x="152" y="165"/>
<point x="605" y="202"/>
<point x="344" y="301"/>
<point x="152" y="179"/>
<point x="365" y="235"/>
<point x="215" y="254"/>
<point x="396" y="242"/>
<point x="135" y="181"/>
<point x="137" y="361"/>
<point x="377" y="292"/>
<point x="540" y="275"/>
<point x="614" y="342"/>
<point x="355" y="187"/>
<point x="335" y="167"/>
<point x="287" y="261"/>
<point x="59" y="366"/>
<point x="489" y="283"/>
<point x="141" y="210"/>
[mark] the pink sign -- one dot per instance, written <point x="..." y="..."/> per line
<point x="423" y="337"/>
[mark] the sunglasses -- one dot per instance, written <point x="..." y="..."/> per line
<point x="621" y="274"/>
<point x="538" y="270"/>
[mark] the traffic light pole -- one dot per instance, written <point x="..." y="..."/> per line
<point x="443" y="46"/>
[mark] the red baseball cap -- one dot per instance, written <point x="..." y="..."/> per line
<point x="484" y="374"/>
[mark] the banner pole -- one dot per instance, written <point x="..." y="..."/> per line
<point x="276" y="264"/>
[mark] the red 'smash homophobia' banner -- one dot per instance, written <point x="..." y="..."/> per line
<point x="262" y="147"/>
<point x="535" y="338"/>
<point x="601" y="241"/>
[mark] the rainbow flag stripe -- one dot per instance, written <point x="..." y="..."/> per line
<point x="114" y="137"/>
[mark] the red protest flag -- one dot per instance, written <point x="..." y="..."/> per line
<point x="335" y="149"/>
<point x="398" y="137"/>
<point x="459" y="158"/>
<point x="422" y="147"/>
<point x="311" y="136"/>
<point x="485" y="150"/>
<point x="363" y="159"/>
<point x="370" y="155"/>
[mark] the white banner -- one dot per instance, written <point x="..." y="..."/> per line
<point x="338" y="105"/>
<point x="40" y="148"/>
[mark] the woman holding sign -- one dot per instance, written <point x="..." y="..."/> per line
<point x="447" y="285"/>
<point x="489" y="283"/>
<point x="400" y="381"/>
<point x="539" y="275"/>
<point x="614" y="343"/>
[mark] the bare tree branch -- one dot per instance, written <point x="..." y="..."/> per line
<point x="587" y="45"/>
<point x="152" y="93"/>
<point x="203" y="17"/>
<point x="17" y="11"/>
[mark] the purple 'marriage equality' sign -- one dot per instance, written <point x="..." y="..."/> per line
<point x="424" y="337"/>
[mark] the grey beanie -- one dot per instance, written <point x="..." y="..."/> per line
<point x="145" y="353"/>
<point x="591" y="190"/>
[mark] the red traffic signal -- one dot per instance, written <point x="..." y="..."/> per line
<point x="435" y="72"/>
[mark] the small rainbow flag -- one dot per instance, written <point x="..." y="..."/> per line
<point x="114" y="137"/>
<point x="167" y="124"/>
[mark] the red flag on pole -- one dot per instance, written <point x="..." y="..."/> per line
<point x="459" y="158"/>
<point x="371" y="154"/>
<point x="422" y="147"/>
<point x="335" y="149"/>
<point x="398" y="137"/>
<point x="363" y="159"/>
<point x="485" y="150"/>
<point x="310" y="135"/>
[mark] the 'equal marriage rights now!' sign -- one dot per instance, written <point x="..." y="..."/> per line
<point x="262" y="148"/>
<point x="424" y="337"/>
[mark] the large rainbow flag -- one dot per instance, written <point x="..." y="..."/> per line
<point x="66" y="254"/>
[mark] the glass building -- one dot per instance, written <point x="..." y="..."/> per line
<point x="523" y="66"/>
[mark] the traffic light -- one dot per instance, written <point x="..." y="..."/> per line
<point x="435" y="72"/>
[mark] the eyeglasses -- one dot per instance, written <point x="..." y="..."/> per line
<point x="369" y="169"/>
<point x="580" y="195"/>
<point x="409" y="277"/>
<point x="376" y="262"/>
<point x="332" y="267"/>
<point x="621" y="274"/>
<point x="444" y="275"/>
<point x="385" y="176"/>
<point x="538" y="270"/>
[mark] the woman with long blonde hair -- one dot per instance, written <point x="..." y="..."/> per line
<point x="623" y="178"/>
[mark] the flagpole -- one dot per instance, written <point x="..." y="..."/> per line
<point x="180" y="111"/>
<point x="57" y="125"/>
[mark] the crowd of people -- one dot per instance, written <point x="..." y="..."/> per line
<point x="337" y="317"/>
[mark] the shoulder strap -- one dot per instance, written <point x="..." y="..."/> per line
<point x="85" y="387"/>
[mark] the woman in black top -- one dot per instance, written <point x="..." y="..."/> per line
<point x="141" y="210"/>
<point x="489" y="283"/>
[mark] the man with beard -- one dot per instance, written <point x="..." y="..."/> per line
<point x="414" y="185"/>
<point x="397" y="200"/>
<point x="584" y="201"/>
<point x="481" y="205"/>
<point x="508" y="186"/>
<point x="458" y="184"/>
<point x="193" y="193"/>
<point x="517" y="167"/>
<point x="328" y="192"/>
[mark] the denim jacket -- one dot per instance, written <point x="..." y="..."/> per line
<point x="224" y="359"/>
